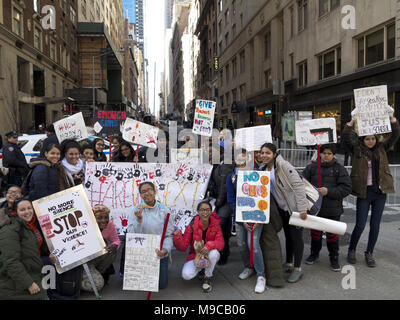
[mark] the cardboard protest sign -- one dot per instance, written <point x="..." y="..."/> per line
<point x="179" y="187"/>
<point x="253" y="138"/>
<point x="288" y="121"/>
<point x="316" y="131"/>
<point x="72" y="127"/>
<point x="142" y="267"/>
<point x="70" y="228"/>
<point x="204" y="117"/>
<point x="140" y="133"/>
<point x="188" y="156"/>
<point x="110" y="121"/>
<point x="371" y="113"/>
<point x="253" y="196"/>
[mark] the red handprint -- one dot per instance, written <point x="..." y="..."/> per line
<point x="124" y="220"/>
<point x="181" y="169"/>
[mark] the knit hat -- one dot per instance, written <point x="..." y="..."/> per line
<point x="100" y="209"/>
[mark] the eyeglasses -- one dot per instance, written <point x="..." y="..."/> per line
<point x="146" y="191"/>
<point x="204" y="210"/>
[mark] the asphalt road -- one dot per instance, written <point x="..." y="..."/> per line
<point x="318" y="282"/>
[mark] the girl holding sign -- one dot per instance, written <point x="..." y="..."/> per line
<point x="244" y="229"/>
<point x="372" y="181"/>
<point x="288" y="190"/>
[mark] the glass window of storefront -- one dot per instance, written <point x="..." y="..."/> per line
<point x="331" y="110"/>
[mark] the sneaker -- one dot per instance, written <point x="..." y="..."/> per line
<point x="335" y="266"/>
<point x="295" y="276"/>
<point x="312" y="258"/>
<point x="351" y="257"/>
<point x="201" y="275"/>
<point x="233" y="230"/>
<point x="260" y="286"/>
<point x="288" y="267"/>
<point x="369" y="259"/>
<point x="207" y="287"/>
<point x="246" y="273"/>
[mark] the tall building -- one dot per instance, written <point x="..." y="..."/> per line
<point x="129" y="7"/>
<point x="169" y="7"/>
<point x="37" y="64"/>
<point x="139" y="22"/>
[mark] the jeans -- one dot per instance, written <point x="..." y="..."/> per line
<point x="377" y="203"/>
<point x="163" y="281"/>
<point x="189" y="270"/>
<point x="226" y="227"/>
<point x="243" y="241"/>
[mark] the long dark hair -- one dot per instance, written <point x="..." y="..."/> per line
<point x="69" y="144"/>
<point x="370" y="153"/>
<point x="120" y="157"/>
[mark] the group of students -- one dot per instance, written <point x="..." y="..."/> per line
<point x="24" y="250"/>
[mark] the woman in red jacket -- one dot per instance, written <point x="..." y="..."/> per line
<point x="204" y="227"/>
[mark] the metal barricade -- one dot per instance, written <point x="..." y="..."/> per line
<point x="298" y="157"/>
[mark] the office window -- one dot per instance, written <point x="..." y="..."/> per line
<point x="37" y="38"/>
<point x="302" y="68"/>
<point x="234" y="95"/>
<point x="329" y="63"/>
<point x="221" y="77"/>
<point x="233" y="31"/>
<point x="327" y="5"/>
<point x="66" y="33"/>
<point x="267" y="45"/>
<point x="242" y="90"/>
<point x="54" y="83"/>
<point x="227" y="73"/>
<point x="291" y="11"/>
<point x="291" y="65"/>
<point x="227" y="99"/>
<point x="371" y="47"/>
<point x="234" y="67"/>
<point x="53" y="50"/>
<point x="242" y="56"/>
<point x="302" y="14"/>
<point x="17" y="21"/>
<point x="267" y="79"/>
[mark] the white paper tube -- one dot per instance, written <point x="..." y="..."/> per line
<point x="317" y="223"/>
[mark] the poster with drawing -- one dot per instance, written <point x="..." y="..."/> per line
<point x="372" y="112"/>
<point x="188" y="156"/>
<point x="204" y="117"/>
<point x="140" y="133"/>
<point x="253" y="196"/>
<point x="72" y="127"/>
<point x="288" y="121"/>
<point x="179" y="187"/>
<point x="142" y="267"/>
<point x="252" y="138"/>
<point x="316" y="131"/>
<point x="70" y="228"/>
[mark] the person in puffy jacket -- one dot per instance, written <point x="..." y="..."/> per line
<point x="335" y="186"/>
<point x="48" y="176"/>
<point x="204" y="227"/>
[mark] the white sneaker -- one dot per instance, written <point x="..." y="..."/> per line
<point x="246" y="273"/>
<point x="260" y="286"/>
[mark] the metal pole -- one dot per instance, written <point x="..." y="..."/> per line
<point x="85" y="266"/>
<point x="93" y="84"/>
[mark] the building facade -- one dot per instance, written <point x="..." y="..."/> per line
<point x="38" y="62"/>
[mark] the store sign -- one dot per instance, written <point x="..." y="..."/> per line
<point x="268" y="112"/>
<point x="111" y="121"/>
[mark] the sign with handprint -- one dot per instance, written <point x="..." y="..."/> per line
<point x="72" y="127"/>
<point x="70" y="228"/>
<point x="179" y="187"/>
<point x="372" y="111"/>
<point x="140" y="133"/>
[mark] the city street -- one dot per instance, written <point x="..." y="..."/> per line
<point x="318" y="282"/>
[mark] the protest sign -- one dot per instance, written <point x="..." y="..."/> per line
<point x="140" y="133"/>
<point x="371" y="113"/>
<point x="110" y="121"/>
<point x="70" y="228"/>
<point x="253" y="196"/>
<point x="142" y="267"/>
<point x="72" y="127"/>
<point x="318" y="223"/>
<point x="179" y="187"/>
<point x="188" y="156"/>
<point x="316" y="131"/>
<point x="288" y="121"/>
<point x="252" y="138"/>
<point x="204" y="117"/>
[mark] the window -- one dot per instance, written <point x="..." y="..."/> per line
<point x="66" y="33"/>
<point x="233" y="7"/>
<point x="302" y="68"/>
<point x="291" y="11"/>
<point x="328" y="63"/>
<point x="36" y="6"/>
<point x="241" y="21"/>
<point x="234" y="95"/>
<point x="327" y="5"/>
<point x="267" y="79"/>
<point x="72" y="15"/>
<point x="220" y="47"/>
<point x="234" y="68"/>
<point x="53" y="50"/>
<point x="233" y="31"/>
<point x="226" y="16"/>
<point x="221" y="98"/>
<point x="54" y="82"/>
<point x="291" y="65"/>
<point x="37" y="38"/>
<point x="302" y="14"/>
<point x="219" y="27"/>
<point x="371" y="47"/>
<point x="221" y="77"/>
<point x="220" y="5"/>
<point x="242" y="61"/>
<point x="226" y="39"/>
<point x="17" y="21"/>
<point x="267" y="45"/>
<point x="227" y="99"/>
<point x="242" y="90"/>
<point x="227" y="73"/>
<point x="73" y="42"/>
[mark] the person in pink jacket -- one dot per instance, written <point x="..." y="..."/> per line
<point x="207" y="240"/>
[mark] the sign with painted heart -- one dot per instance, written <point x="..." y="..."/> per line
<point x="316" y="131"/>
<point x="253" y="196"/>
<point x="140" y="133"/>
<point x="116" y="185"/>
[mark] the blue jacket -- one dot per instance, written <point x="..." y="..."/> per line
<point x="44" y="181"/>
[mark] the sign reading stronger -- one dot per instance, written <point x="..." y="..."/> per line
<point x="110" y="121"/>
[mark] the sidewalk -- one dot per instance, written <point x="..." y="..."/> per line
<point x="318" y="282"/>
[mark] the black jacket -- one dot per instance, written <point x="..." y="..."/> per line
<point x="51" y="139"/>
<point x="217" y="186"/>
<point x="335" y="178"/>
<point x="14" y="158"/>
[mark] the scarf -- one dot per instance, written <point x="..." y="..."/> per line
<point x="73" y="169"/>
<point x="32" y="225"/>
